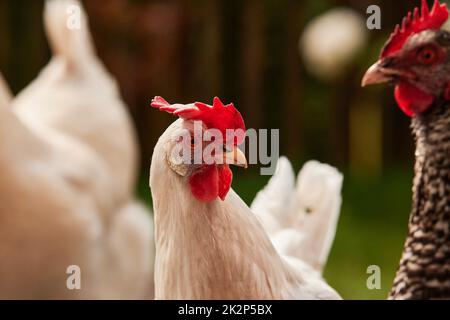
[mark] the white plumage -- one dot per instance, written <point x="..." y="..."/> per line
<point x="220" y="249"/>
<point x="68" y="171"/>
<point x="301" y="218"/>
<point x="75" y="95"/>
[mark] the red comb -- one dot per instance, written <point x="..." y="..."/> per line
<point x="413" y="23"/>
<point x="218" y="116"/>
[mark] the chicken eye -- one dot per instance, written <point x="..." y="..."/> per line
<point x="427" y="56"/>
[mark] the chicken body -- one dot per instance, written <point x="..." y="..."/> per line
<point x="218" y="249"/>
<point x="56" y="212"/>
<point x="416" y="59"/>
<point x="423" y="272"/>
<point x="75" y="95"/>
<point x="66" y="184"/>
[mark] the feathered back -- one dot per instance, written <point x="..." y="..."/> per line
<point x="76" y="96"/>
<point x="301" y="219"/>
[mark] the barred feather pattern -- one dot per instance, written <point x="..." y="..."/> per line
<point x="424" y="271"/>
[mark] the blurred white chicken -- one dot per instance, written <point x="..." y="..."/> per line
<point x="67" y="174"/>
<point x="75" y="95"/>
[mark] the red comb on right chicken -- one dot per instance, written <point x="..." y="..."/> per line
<point x="415" y="23"/>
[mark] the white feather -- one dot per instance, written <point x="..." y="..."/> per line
<point x="76" y="96"/>
<point x="68" y="31"/>
<point x="315" y="211"/>
<point x="218" y="249"/>
<point x="302" y="221"/>
<point x="271" y="203"/>
<point x="57" y="209"/>
<point x="131" y="246"/>
<point x="68" y="167"/>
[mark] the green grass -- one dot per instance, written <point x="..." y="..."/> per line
<point x="371" y="230"/>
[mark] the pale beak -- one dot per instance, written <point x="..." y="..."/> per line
<point x="235" y="157"/>
<point x="376" y="74"/>
<point x="385" y="70"/>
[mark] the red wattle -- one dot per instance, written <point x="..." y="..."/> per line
<point x="411" y="99"/>
<point x="211" y="182"/>
<point x="225" y="178"/>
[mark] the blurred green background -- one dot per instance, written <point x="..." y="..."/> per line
<point x="250" y="52"/>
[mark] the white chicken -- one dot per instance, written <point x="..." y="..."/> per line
<point x="75" y="95"/>
<point x="209" y="244"/>
<point x="56" y="211"/>
<point x="62" y="203"/>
